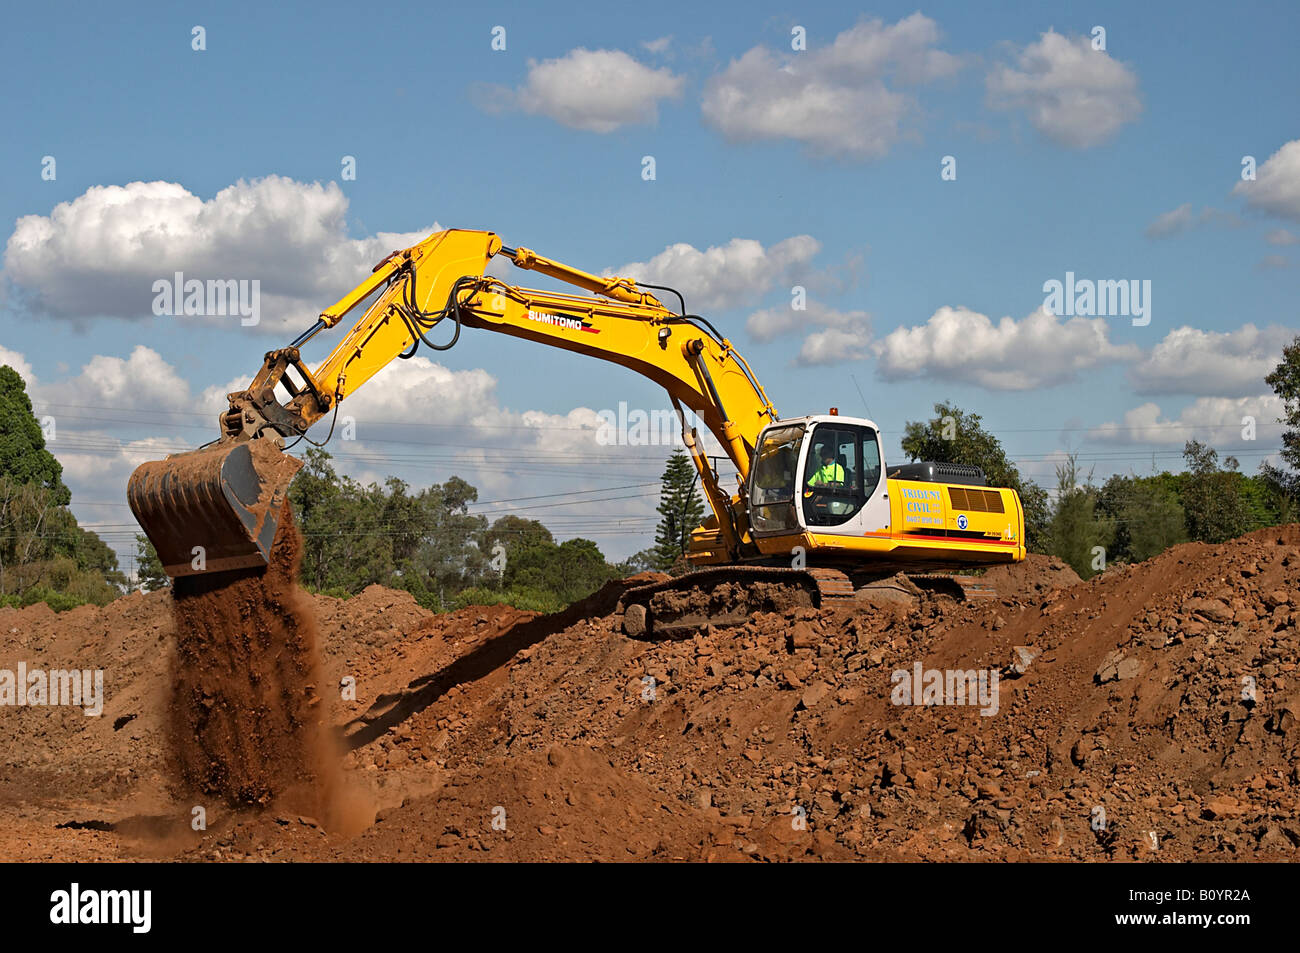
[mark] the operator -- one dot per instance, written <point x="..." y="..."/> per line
<point x="830" y="471"/>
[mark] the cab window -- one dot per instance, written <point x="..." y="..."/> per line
<point x="841" y="471"/>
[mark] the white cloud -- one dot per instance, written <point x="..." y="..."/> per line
<point x="592" y="90"/>
<point x="836" y="345"/>
<point x="1276" y="189"/>
<point x="834" y="99"/>
<point x="19" y="363"/>
<point x="143" y="381"/>
<point x="99" y="254"/>
<point x="1172" y="222"/>
<point x="1229" y="364"/>
<point x="958" y="344"/>
<point x="1074" y="95"/>
<point x="771" y="322"/>
<point x="1214" y="420"/>
<point x="658" y="46"/>
<point x="726" y="276"/>
<point x="1280" y="236"/>
<point x="1183" y="219"/>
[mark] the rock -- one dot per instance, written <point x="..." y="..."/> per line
<point x="1021" y="657"/>
<point x="1223" y="806"/>
<point x="1216" y="610"/>
<point x="634" y="621"/>
<point x="1109" y="669"/>
<point x="1128" y="668"/>
<point x="813" y="694"/>
<point x="802" y="636"/>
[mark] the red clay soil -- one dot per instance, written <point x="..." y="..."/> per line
<point x="246" y="722"/>
<point x="1161" y="697"/>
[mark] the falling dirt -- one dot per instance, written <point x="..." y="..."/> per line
<point x="246" y="712"/>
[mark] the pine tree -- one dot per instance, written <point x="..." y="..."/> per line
<point x="680" y="510"/>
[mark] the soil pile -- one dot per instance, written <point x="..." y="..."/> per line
<point x="1151" y="713"/>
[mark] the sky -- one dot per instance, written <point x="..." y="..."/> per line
<point x="922" y="174"/>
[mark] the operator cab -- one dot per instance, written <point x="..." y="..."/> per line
<point x="824" y="473"/>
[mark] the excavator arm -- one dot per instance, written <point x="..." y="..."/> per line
<point x="237" y="486"/>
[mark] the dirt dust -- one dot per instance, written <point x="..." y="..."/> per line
<point x="246" y="715"/>
<point x="1151" y="713"/>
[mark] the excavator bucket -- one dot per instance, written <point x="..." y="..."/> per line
<point x="214" y="509"/>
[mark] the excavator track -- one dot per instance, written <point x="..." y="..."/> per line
<point x="731" y="595"/>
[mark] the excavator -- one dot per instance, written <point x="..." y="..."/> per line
<point x="816" y="515"/>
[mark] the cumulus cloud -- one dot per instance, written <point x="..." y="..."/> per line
<point x="958" y="344"/>
<point x="1228" y="363"/>
<point x="768" y="323"/>
<point x="142" y="381"/>
<point x="1276" y="189"/>
<point x="836" y="345"/>
<point x="1183" y="219"/>
<point x="841" y="99"/>
<point x="99" y="254"/>
<point x="19" y="363"/>
<point x="1074" y="95"/>
<point x="1216" y="420"/>
<point x="592" y="90"/>
<point x="727" y="276"/>
<point x="1280" y="236"/>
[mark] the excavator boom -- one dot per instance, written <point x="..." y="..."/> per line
<point x="816" y="517"/>
<point x="217" y="508"/>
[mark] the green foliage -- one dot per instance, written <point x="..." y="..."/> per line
<point x="572" y="570"/>
<point x="429" y="544"/>
<point x="148" y="567"/>
<point x="954" y="436"/>
<point x="521" y="597"/>
<point x="58" y="601"/>
<point x="637" y="562"/>
<point x="1145" y="514"/>
<point x="680" y="510"/>
<point x="1074" y="531"/>
<point x="1214" y="497"/>
<point x="1285" y="381"/>
<point x="23" y="457"/>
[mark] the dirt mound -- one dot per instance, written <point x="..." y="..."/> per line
<point x="1035" y="576"/>
<point x="246" y="711"/>
<point x="1150" y="713"/>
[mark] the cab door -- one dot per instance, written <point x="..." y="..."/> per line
<point x="842" y="483"/>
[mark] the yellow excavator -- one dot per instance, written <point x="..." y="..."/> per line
<point x="816" y="515"/>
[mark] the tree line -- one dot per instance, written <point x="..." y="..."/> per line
<point x="429" y="543"/>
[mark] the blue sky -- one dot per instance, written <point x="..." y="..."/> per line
<point x="1122" y="163"/>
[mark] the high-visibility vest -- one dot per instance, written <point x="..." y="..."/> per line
<point x="830" y="473"/>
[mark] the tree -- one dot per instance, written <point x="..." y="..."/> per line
<point x="953" y="436"/>
<point x="1146" y="516"/>
<point x="680" y="510"/>
<point x="23" y="456"/>
<point x="1075" y="532"/>
<point x="637" y="562"/>
<point x="572" y="570"/>
<point x="1285" y="381"/>
<point x="1212" y="496"/>
<point x="515" y="533"/>
<point x="148" y="567"/>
